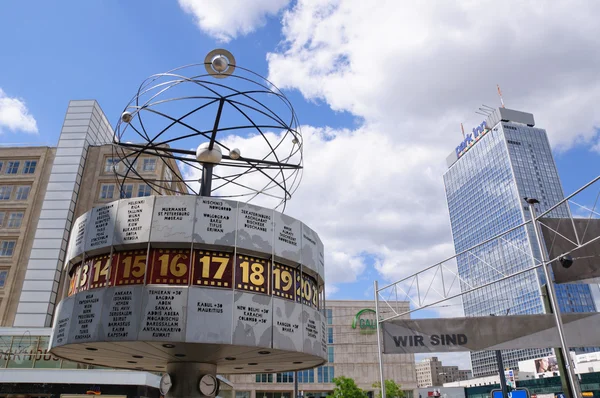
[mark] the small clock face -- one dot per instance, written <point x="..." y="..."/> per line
<point x="208" y="385"/>
<point x="165" y="384"/>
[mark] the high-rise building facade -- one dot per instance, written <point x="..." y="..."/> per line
<point x="504" y="160"/>
<point x="431" y="372"/>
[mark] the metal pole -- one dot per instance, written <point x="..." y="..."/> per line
<point x="207" y="173"/>
<point x="381" y="378"/>
<point x="501" y="372"/>
<point x="296" y="385"/>
<point x="575" y="387"/>
<point x="560" y="359"/>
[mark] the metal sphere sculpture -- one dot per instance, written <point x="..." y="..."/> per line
<point x="236" y="140"/>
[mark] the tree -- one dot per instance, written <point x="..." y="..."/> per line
<point x="345" y="387"/>
<point x="392" y="390"/>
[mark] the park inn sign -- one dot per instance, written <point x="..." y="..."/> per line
<point x="365" y="320"/>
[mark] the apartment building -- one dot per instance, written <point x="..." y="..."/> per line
<point x="42" y="190"/>
<point x="24" y="174"/>
<point x="431" y="372"/>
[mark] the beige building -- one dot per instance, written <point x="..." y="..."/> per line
<point x="24" y="174"/>
<point x="352" y="352"/>
<point x="24" y="178"/>
<point x="431" y="372"/>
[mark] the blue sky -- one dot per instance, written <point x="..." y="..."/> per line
<point x="380" y="90"/>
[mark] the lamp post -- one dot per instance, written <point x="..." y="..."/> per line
<point x="500" y="364"/>
<point x="575" y="387"/>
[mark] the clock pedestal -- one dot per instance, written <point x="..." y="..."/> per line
<point x="185" y="377"/>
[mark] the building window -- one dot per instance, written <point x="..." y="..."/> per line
<point x="144" y="190"/>
<point x="330" y="357"/>
<point x="13" y="167"/>
<point x="149" y="165"/>
<point x="287" y="377"/>
<point x="127" y="191"/>
<point x="1" y="218"/>
<point x="23" y="192"/>
<point x="330" y="335"/>
<point x="107" y="191"/>
<point x="264" y="378"/>
<point x="1" y="166"/>
<point x="329" y="313"/>
<point x="5" y="192"/>
<point x="29" y="167"/>
<point x="111" y="165"/>
<point x="7" y="248"/>
<point x="3" y="276"/>
<point x="306" y="376"/>
<point x="325" y="374"/>
<point x="15" y="219"/>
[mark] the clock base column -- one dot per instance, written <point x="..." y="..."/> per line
<point x="185" y="377"/>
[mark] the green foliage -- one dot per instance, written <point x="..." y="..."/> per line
<point x="392" y="390"/>
<point x="345" y="387"/>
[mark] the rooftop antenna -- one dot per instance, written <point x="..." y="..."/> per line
<point x="485" y="112"/>
<point x="462" y="128"/>
<point x="488" y="107"/>
<point x="500" y="94"/>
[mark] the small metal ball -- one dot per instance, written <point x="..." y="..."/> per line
<point x="220" y="64"/>
<point x="295" y="140"/>
<point x="126" y="117"/>
<point x="234" y="154"/>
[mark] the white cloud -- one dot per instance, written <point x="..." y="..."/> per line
<point x="15" y="116"/>
<point x="413" y="72"/>
<point x="225" y="20"/>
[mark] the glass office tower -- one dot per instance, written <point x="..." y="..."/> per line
<point x="504" y="160"/>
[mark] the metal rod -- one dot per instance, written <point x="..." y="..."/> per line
<point x="216" y="125"/>
<point x="565" y="200"/>
<point x="575" y="387"/>
<point x="207" y="173"/>
<point x="501" y="373"/>
<point x="381" y="378"/>
<point x="296" y="384"/>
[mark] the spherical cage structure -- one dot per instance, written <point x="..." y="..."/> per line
<point x="242" y="114"/>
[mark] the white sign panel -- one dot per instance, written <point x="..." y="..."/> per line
<point x="133" y="220"/>
<point x="311" y="321"/>
<point x="310" y="249"/>
<point x="402" y="336"/>
<point x="77" y="238"/>
<point x="253" y="320"/>
<point x="121" y="313"/>
<point x="215" y="221"/>
<point x="209" y="316"/>
<point x="86" y="319"/>
<point x="163" y="314"/>
<point x="255" y="228"/>
<point x="288" y="237"/>
<point x="287" y="325"/>
<point x="62" y="322"/>
<point x="173" y="219"/>
<point x="101" y="227"/>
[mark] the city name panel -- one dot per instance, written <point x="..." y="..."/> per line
<point x="154" y="280"/>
